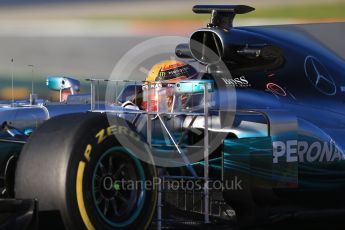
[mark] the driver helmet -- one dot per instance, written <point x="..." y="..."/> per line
<point x="158" y="94"/>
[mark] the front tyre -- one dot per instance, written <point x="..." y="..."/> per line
<point x="75" y="165"/>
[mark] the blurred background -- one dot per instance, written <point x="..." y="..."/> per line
<point x="85" y="38"/>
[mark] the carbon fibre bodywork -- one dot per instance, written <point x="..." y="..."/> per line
<point x="22" y="118"/>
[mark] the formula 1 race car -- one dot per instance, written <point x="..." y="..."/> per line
<point x="258" y="136"/>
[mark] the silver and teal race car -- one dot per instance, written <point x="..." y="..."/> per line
<point x="260" y="137"/>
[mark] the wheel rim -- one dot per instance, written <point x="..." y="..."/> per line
<point x="117" y="187"/>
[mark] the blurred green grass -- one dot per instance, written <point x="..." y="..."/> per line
<point x="317" y="11"/>
<point x="321" y="11"/>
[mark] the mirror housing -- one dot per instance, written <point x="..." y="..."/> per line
<point x="193" y="86"/>
<point x="58" y="83"/>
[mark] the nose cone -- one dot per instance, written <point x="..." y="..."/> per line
<point x="7" y="114"/>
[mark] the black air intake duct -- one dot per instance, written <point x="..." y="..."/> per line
<point x="212" y="45"/>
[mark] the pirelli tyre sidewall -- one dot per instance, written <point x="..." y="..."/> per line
<point x="92" y="148"/>
<point x="98" y="149"/>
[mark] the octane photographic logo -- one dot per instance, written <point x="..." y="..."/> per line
<point x="232" y="184"/>
<point x="169" y="129"/>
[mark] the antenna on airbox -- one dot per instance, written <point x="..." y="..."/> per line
<point x="32" y="78"/>
<point x="33" y="96"/>
<point x="12" y="80"/>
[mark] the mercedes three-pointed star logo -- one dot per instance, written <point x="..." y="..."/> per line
<point x="319" y="76"/>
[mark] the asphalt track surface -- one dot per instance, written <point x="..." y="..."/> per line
<point x="317" y="223"/>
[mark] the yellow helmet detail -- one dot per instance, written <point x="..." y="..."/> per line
<point x="171" y="71"/>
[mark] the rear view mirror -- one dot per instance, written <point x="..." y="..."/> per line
<point x="58" y="83"/>
<point x="193" y="86"/>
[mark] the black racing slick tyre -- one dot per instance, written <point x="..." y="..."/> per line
<point x="74" y="164"/>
